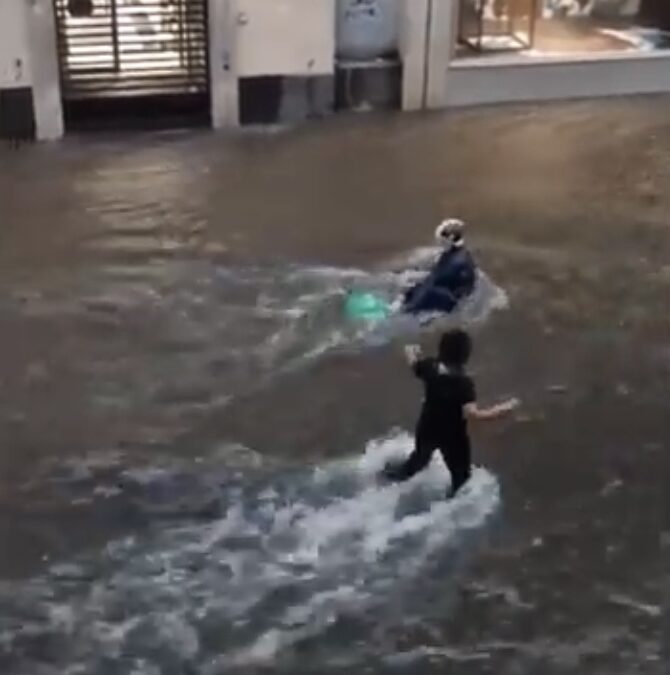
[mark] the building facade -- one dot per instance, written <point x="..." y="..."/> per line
<point x="72" y="64"/>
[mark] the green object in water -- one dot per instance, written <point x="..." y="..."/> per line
<point x="366" y="306"/>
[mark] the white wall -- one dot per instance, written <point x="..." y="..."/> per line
<point x="14" y="51"/>
<point x="256" y="37"/>
<point x="28" y="58"/>
<point x="427" y="42"/>
<point x="285" y="37"/>
<point x="45" y="69"/>
<point x="223" y="78"/>
<point x="413" y="49"/>
<point x="441" y="41"/>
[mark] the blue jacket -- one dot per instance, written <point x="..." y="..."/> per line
<point x="452" y="278"/>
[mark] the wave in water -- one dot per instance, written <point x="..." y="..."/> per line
<point x="313" y="560"/>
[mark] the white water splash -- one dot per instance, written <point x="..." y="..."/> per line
<point x="318" y="326"/>
<point x="205" y="333"/>
<point x="294" y="555"/>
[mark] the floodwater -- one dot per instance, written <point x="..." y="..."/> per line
<point x="190" y="431"/>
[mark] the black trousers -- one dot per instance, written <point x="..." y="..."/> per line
<point x="455" y="453"/>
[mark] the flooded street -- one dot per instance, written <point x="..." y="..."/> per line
<point x="190" y="431"/>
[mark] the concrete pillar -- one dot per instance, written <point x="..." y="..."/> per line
<point x="45" y="69"/>
<point x="442" y="32"/>
<point x="223" y="72"/>
<point x="29" y="58"/>
<point x="428" y="37"/>
<point x="414" y="21"/>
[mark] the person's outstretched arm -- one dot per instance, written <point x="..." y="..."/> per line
<point x="474" y="412"/>
<point x="413" y="354"/>
<point x="423" y="368"/>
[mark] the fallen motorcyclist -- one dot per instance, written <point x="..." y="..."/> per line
<point x="451" y="278"/>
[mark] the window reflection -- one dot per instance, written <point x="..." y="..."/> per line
<point x="556" y="27"/>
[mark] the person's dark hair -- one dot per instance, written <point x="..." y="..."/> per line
<point x="455" y="348"/>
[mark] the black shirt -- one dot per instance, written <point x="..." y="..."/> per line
<point x="446" y="394"/>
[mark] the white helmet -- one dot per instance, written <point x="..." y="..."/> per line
<point x="450" y="232"/>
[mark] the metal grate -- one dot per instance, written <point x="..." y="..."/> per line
<point x="132" y="48"/>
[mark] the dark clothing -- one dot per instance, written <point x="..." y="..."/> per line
<point x="452" y="278"/>
<point x="456" y="457"/>
<point x="445" y="395"/>
<point x="442" y="425"/>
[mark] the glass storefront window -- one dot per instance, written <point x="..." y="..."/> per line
<point x="562" y="27"/>
<point x="498" y="25"/>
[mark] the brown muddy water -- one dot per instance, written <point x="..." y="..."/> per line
<point x="189" y="429"/>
